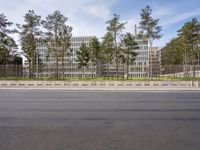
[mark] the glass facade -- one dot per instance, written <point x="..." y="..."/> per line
<point x="139" y="68"/>
<point x="69" y="65"/>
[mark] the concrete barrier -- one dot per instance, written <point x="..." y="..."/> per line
<point x="101" y="85"/>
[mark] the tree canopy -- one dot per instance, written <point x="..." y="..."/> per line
<point x="58" y="36"/>
<point x="29" y="36"/>
<point x="7" y="43"/>
<point x="151" y="31"/>
<point x="114" y="28"/>
<point x="185" y="48"/>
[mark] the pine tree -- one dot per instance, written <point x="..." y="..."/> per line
<point x="95" y="53"/>
<point x="189" y="34"/>
<point x="29" y="36"/>
<point x="64" y="37"/>
<point x="58" y="35"/>
<point x="151" y="31"/>
<point x="7" y="43"/>
<point x="108" y="52"/>
<point x="83" y="57"/>
<point x="115" y="28"/>
<point x="129" y="45"/>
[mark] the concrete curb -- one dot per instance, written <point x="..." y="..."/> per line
<point x="185" y="89"/>
<point x="103" y="85"/>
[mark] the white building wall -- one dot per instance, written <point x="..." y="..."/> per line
<point x="138" y="69"/>
<point x="70" y="64"/>
<point x="141" y="64"/>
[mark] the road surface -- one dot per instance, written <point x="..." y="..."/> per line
<point x="62" y="120"/>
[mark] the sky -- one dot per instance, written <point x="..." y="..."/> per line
<point x="88" y="17"/>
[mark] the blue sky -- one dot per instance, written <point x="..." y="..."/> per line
<point x="87" y="17"/>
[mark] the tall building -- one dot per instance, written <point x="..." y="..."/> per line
<point x="139" y="68"/>
<point x="67" y="67"/>
<point x="141" y="64"/>
<point x="156" y="61"/>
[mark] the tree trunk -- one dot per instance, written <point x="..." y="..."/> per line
<point x="123" y="71"/>
<point x="116" y="55"/>
<point x="92" y="71"/>
<point x="108" y="70"/>
<point x="83" y="72"/>
<point x="117" y="71"/>
<point x="194" y="70"/>
<point x="185" y="64"/>
<point x="5" y="70"/>
<point x="97" y="68"/>
<point x="57" y="67"/>
<point x="63" y="69"/>
<point x="56" y="52"/>
<point x="31" y="69"/>
<point x="151" y="60"/>
<point x="63" y="65"/>
<point x="127" y="69"/>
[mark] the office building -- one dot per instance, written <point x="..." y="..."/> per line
<point x="68" y="67"/>
<point x="140" y="66"/>
<point x="46" y="64"/>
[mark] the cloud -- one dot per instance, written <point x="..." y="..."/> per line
<point x="86" y="27"/>
<point x="99" y="9"/>
<point x="86" y="16"/>
<point x="178" y="17"/>
<point x="131" y="22"/>
<point x="163" y="11"/>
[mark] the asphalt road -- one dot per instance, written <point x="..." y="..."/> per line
<point x="61" y="120"/>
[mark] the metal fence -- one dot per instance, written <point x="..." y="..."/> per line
<point x="180" y="71"/>
<point x="170" y="71"/>
<point x="11" y="71"/>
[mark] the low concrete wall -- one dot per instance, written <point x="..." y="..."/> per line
<point x="101" y="85"/>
